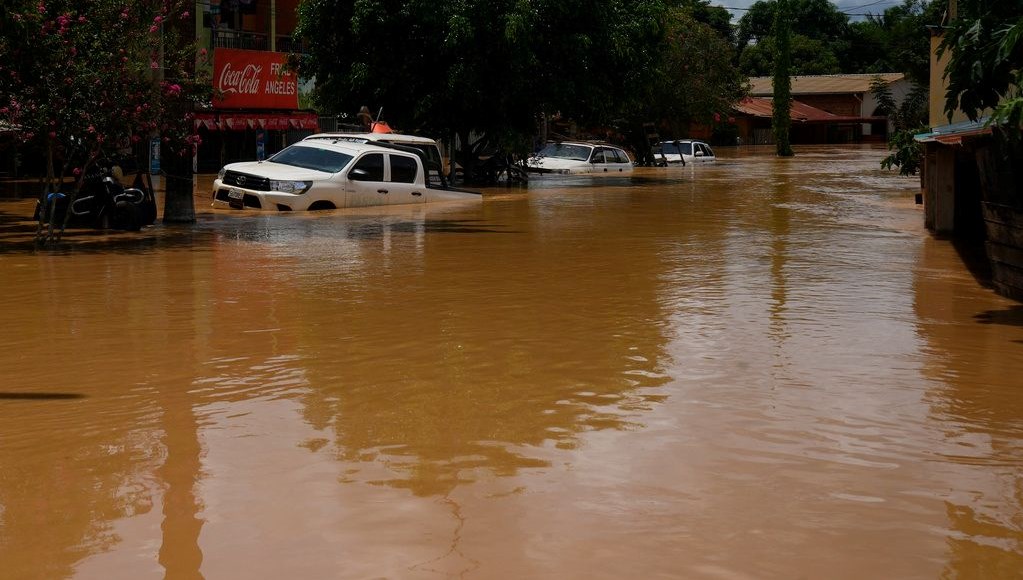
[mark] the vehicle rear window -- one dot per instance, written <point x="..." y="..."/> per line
<point x="312" y="158"/>
<point x="403" y="169"/>
<point x="674" y="148"/>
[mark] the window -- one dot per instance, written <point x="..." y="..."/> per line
<point x="403" y="169"/>
<point x="707" y="150"/>
<point x="373" y="166"/>
<point x="598" y="155"/>
<point x="619" y="156"/>
<point x="565" y="151"/>
<point x="312" y="158"/>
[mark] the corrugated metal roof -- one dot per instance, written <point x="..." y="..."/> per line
<point x="953" y="134"/>
<point x="800" y="112"/>
<point x="823" y="84"/>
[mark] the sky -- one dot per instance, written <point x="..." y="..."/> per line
<point x="852" y="7"/>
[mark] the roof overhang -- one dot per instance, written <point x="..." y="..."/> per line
<point x="955" y="133"/>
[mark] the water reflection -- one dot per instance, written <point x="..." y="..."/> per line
<point x="762" y="368"/>
<point x="976" y="373"/>
<point x="438" y="367"/>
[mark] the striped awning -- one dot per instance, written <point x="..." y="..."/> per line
<point x="232" y="121"/>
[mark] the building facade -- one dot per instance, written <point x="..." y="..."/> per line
<point x="257" y="107"/>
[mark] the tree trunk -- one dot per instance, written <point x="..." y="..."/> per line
<point x="178" y="202"/>
<point x="782" y="101"/>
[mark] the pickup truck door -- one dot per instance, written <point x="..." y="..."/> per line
<point x="405" y="183"/>
<point x="366" y="185"/>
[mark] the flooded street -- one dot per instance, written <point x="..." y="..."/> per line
<point x="764" y="368"/>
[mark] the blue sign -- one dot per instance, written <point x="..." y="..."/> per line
<point x="154" y="156"/>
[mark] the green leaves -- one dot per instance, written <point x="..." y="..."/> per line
<point x="985" y="55"/>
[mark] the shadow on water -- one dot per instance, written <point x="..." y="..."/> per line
<point x="1011" y="316"/>
<point x="40" y="396"/>
<point x="156" y="238"/>
<point x="974" y="257"/>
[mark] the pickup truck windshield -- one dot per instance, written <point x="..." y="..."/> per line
<point x="312" y="158"/>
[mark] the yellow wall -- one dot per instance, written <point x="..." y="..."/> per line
<point x="938" y="83"/>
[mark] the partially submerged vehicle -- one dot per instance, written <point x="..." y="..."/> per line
<point x="683" y="151"/>
<point x="332" y="172"/>
<point x="433" y="159"/>
<point x="580" y="157"/>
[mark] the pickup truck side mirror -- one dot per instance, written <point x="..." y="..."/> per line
<point x="698" y="154"/>
<point x="358" y="175"/>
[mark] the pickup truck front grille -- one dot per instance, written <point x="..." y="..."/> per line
<point x="253" y="182"/>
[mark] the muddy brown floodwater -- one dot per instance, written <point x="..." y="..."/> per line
<point x="764" y="368"/>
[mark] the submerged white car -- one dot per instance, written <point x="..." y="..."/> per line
<point x="319" y="174"/>
<point x="580" y="157"/>
<point x="683" y="151"/>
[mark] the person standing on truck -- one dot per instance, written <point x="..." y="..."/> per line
<point x="365" y="118"/>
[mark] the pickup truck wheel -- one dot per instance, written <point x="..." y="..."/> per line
<point x="321" y="205"/>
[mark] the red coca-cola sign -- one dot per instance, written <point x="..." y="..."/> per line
<point x="252" y="79"/>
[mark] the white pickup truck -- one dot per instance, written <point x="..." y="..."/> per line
<point x="331" y="173"/>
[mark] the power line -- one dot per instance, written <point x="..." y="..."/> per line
<point x="839" y="11"/>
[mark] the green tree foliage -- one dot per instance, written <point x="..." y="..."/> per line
<point x="895" y="41"/>
<point x="818" y="37"/>
<point x="694" y="81"/>
<point x="715" y="17"/>
<point x="984" y="68"/>
<point x="83" y="79"/>
<point x="486" y="67"/>
<point x="908" y="119"/>
<point x="782" y="101"/>
<point x="813" y="56"/>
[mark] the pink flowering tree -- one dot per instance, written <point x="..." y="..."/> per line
<point x="84" y="79"/>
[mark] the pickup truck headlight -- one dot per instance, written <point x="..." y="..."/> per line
<point x="290" y="186"/>
<point x="221" y="174"/>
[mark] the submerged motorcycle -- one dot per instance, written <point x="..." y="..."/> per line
<point x="102" y="203"/>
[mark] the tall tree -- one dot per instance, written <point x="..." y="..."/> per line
<point x="83" y="79"/>
<point x="782" y="120"/>
<point x="480" y="67"/>
<point x="895" y="40"/>
<point x="818" y="36"/>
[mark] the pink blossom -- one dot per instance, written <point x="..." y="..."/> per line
<point x="717" y="117"/>
<point x="158" y="19"/>
<point x="154" y="64"/>
<point x="174" y="89"/>
<point x="42" y="8"/>
<point x="185" y="15"/>
<point x="202" y="52"/>
<point x="81" y="19"/>
<point x="91" y="129"/>
<point x="153" y="28"/>
<point x="134" y="138"/>
<point x="77" y="171"/>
